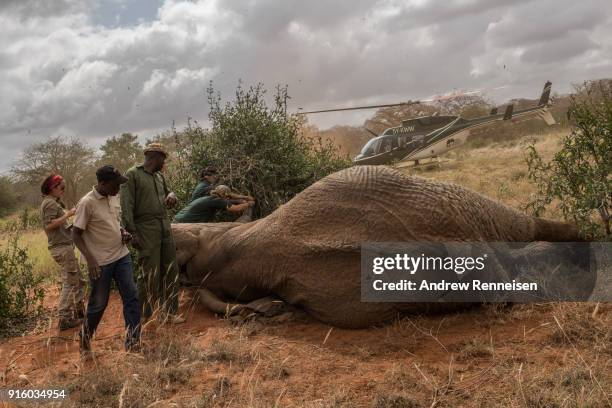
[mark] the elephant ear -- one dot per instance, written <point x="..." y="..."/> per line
<point x="185" y="241"/>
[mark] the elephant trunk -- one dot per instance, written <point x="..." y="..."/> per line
<point x="555" y="231"/>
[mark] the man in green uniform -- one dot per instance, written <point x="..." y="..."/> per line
<point x="203" y="209"/>
<point x="144" y="198"/>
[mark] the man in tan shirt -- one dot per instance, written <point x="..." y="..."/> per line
<point x="100" y="238"/>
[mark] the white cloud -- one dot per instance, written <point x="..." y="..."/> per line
<point x="62" y="72"/>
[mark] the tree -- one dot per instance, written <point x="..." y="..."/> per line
<point x="579" y="177"/>
<point x="258" y="149"/>
<point x="467" y="106"/>
<point x="121" y="151"/>
<point x="8" y="198"/>
<point x="393" y="116"/>
<point x="70" y="158"/>
<point x="348" y="139"/>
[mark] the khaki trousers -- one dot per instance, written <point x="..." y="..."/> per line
<point x="71" y="296"/>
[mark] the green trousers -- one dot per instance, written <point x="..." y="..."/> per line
<point x="158" y="284"/>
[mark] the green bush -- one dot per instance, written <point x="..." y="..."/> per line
<point x="579" y="177"/>
<point x="8" y="198"/>
<point x="29" y="218"/>
<point x="21" y="291"/>
<point x="258" y="150"/>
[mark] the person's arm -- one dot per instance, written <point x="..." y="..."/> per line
<point x="128" y="202"/>
<point x="80" y="224"/>
<point x="58" y="222"/>
<point x="241" y="197"/>
<point x="235" y="208"/>
<point x="171" y="199"/>
<point x="92" y="265"/>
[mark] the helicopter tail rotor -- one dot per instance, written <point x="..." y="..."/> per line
<point x="508" y="113"/>
<point x="544" y="98"/>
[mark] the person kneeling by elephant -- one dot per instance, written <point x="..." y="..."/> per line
<point x="205" y="208"/>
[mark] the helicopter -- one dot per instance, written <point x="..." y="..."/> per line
<point x="430" y="136"/>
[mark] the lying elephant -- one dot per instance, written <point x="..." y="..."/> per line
<point x="307" y="252"/>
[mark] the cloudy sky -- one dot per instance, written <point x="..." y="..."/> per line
<point x="96" y="68"/>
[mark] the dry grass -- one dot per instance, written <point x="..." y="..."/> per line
<point x="36" y="243"/>
<point x="167" y="365"/>
<point x="497" y="170"/>
<point x="574" y="323"/>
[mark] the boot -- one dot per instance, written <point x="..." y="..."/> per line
<point x="85" y="347"/>
<point x="65" y="324"/>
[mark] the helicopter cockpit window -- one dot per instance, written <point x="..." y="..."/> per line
<point x="371" y="147"/>
<point x="387" y="145"/>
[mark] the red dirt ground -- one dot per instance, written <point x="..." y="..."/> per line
<point x="485" y="357"/>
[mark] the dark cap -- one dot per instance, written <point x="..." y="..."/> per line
<point x="208" y="171"/>
<point x="109" y="173"/>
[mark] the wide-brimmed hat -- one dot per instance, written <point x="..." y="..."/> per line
<point x="155" y="147"/>
<point x="221" y="190"/>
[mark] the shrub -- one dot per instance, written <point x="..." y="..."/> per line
<point x="578" y="178"/>
<point x="29" y="218"/>
<point x="21" y="292"/>
<point x="258" y="149"/>
<point x="8" y="198"/>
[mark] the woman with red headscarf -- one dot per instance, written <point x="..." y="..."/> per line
<point x="54" y="218"/>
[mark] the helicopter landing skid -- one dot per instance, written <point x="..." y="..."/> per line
<point x="413" y="164"/>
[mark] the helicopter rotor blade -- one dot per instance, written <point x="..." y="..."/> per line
<point x="363" y="107"/>
<point x="370" y="132"/>
<point x="436" y="98"/>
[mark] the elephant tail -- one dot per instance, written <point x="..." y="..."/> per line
<point x="555" y="231"/>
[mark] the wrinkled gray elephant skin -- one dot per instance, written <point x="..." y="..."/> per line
<point x="307" y="252"/>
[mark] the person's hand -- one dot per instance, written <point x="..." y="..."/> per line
<point x="136" y="243"/>
<point x="171" y="200"/>
<point x="70" y="212"/>
<point x="94" y="269"/>
<point x="125" y="236"/>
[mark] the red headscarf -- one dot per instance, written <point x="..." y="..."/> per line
<point x="54" y="181"/>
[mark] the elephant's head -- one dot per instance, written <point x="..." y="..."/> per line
<point x="197" y="244"/>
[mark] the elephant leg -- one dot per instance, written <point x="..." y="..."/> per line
<point x="268" y="308"/>
<point x="216" y="305"/>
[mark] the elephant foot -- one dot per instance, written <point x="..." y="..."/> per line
<point x="265" y="310"/>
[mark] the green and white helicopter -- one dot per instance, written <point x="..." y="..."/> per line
<point x="430" y="136"/>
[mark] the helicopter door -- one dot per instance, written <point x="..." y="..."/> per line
<point x="386" y="145"/>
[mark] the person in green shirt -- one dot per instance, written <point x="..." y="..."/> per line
<point x="203" y="209"/>
<point x="208" y="178"/>
<point x="144" y="199"/>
